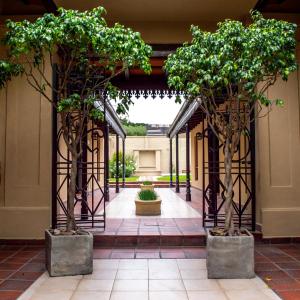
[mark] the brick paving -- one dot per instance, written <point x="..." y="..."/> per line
<point x="151" y="232"/>
<point x="279" y="267"/>
<point x="20" y="266"/>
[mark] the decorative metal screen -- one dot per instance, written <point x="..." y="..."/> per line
<point x="213" y="172"/>
<point x="90" y="193"/>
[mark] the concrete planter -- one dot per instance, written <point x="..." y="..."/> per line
<point x="147" y="187"/>
<point x="69" y="255"/>
<point x="230" y="256"/>
<point x="148" y="208"/>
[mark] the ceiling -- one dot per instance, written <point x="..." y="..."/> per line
<point x="279" y="6"/>
<point x="165" y="10"/>
<point x="25" y="7"/>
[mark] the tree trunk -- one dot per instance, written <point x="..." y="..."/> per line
<point x="229" y="225"/>
<point x="71" y="225"/>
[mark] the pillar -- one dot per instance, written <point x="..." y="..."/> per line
<point x="177" y="165"/>
<point x="171" y="159"/>
<point x="188" y="179"/>
<point x="123" y="163"/>
<point x="117" y="164"/>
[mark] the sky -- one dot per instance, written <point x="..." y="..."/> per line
<point x="153" y="110"/>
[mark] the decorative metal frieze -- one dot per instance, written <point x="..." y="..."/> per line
<point x="152" y="93"/>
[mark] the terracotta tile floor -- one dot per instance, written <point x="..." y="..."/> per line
<point x="277" y="265"/>
<point x="153" y="226"/>
<point x="20" y="266"/>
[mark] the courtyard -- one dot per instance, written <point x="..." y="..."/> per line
<point x="149" y="150"/>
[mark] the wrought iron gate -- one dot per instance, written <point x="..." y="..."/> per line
<point x="213" y="172"/>
<point x="89" y="202"/>
<point x="91" y="183"/>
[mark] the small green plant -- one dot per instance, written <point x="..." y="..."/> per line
<point x="130" y="165"/>
<point x="147" y="183"/>
<point x="147" y="195"/>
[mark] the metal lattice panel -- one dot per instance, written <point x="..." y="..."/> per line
<point x="213" y="173"/>
<point x="89" y="200"/>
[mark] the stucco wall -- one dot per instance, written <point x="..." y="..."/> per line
<point x="278" y="162"/>
<point x="160" y="147"/>
<point x="25" y="187"/>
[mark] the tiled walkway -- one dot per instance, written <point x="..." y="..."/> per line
<point x="172" y="206"/>
<point x="147" y="280"/>
<point x="179" y="225"/>
<point x="277" y="265"/>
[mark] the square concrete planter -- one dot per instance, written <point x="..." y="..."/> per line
<point x="147" y="208"/>
<point x="69" y="255"/>
<point x="147" y="187"/>
<point x="230" y="257"/>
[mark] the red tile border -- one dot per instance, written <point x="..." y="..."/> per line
<point x="289" y="295"/>
<point x="10" y="295"/>
<point x="15" y="285"/>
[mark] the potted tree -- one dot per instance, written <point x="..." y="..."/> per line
<point x="147" y="203"/>
<point x="86" y="53"/>
<point x="225" y="70"/>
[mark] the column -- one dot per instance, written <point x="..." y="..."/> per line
<point x="117" y="164"/>
<point x="177" y="165"/>
<point x="171" y="159"/>
<point x="123" y="163"/>
<point x="188" y="179"/>
<point x="106" y="162"/>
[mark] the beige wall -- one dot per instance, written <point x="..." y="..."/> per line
<point x="25" y="157"/>
<point x="152" y="153"/>
<point x="278" y="162"/>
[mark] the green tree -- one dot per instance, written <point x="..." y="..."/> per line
<point x="231" y="67"/>
<point x="88" y="54"/>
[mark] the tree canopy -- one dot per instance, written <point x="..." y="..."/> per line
<point x="228" y="72"/>
<point x="235" y="59"/>
<point x="85" y="44"/>
<point x="84" y="54"/>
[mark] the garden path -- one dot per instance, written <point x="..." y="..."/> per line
<point x="123" y="206"/>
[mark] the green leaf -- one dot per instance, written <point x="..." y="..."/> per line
<point x="279" y="102"/>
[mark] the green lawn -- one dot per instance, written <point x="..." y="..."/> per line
<point x="182" y="178"/>
<point x="127" y="179"/>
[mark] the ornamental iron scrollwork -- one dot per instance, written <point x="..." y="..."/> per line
<point x="89" y="199"/>
<point x="213" y="173"/>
